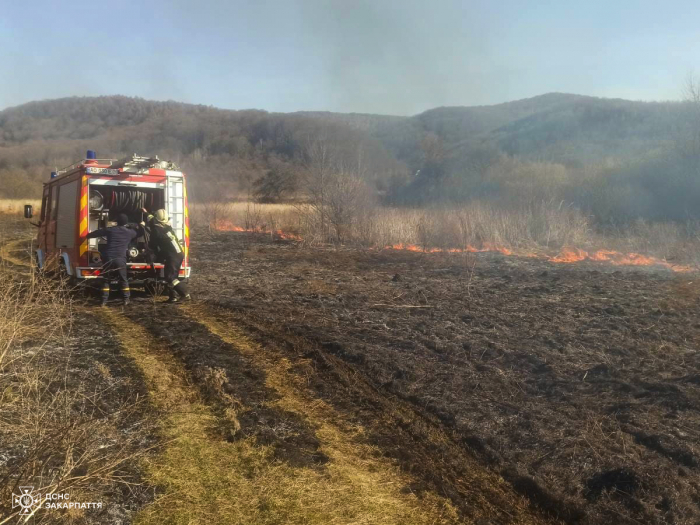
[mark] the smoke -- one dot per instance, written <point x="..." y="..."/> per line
<point x="373" y="56"/>
<point x="396" y="57"/>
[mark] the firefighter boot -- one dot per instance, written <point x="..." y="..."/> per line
<point x="181" y="288"/>
<point x="105" y="293"/>
<point x="126" y="293"/>
<point x="172" y="295"/>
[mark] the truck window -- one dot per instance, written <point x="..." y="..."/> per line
<point x="66" y="223"/>
<point x="44" y="205"/>
<point x="54" y="202"/>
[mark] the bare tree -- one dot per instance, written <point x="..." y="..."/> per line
<point x="334" y="187"/>
<point x="347" y="198"/>
<point x="318" y="163"/>
<point x="691" y="97"/>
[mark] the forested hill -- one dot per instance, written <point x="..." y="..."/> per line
<point x="242" y="151"/>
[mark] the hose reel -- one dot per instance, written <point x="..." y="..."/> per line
<point x="96" y="201"/>
<point x="123" y="200"/>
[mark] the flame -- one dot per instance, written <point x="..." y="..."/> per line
<point x="228" y="226"/>
<point x="567" y="255"/>
<point x="571" y="255"/>
<point x="487" y="247"/>
<point x="288" y="236"/>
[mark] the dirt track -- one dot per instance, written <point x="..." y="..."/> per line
<point x="520" y="390"/>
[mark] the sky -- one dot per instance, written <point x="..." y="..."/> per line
<point x="397" y="57"/>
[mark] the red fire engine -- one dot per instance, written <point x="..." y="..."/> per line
<point x="89" y="195"/>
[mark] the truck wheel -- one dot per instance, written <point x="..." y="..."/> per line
<point x="70" y="281"/>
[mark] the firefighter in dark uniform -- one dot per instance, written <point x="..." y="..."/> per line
<point x="118" y="239"/>
<point x="168" y="250"/>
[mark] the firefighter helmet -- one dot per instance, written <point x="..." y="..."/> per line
<point x="161" y="215"/>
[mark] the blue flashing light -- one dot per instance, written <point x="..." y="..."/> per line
<point x="54" y="174"/>
<point x="91" y="155"/>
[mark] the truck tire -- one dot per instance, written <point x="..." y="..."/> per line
<point x="69" y="281"/>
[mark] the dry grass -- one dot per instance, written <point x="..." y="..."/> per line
<point x="540" y="227"/>
<point x="16" y="206"/>
<point x="56" y="435"/>
<point x="59" y="427"/>
<point x="247" y="215"/>
<point x="544" y="224"/>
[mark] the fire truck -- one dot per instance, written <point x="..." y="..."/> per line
<point x="89" y="195"/>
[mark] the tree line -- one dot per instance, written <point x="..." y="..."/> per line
<point x="615" y="159"/>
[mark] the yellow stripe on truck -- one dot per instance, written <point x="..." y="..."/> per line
<point x="187" y="235"/>
<point x="83" y="248"/>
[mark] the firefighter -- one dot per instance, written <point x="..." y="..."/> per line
<point x="118" y="239"/>
<point x="167" y="247"/>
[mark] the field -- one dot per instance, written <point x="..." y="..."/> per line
<point x="320" y="384"/>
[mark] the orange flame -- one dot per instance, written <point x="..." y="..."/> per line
<point x="570" y="255"/>
<point x="228" y="226"/>
<point x="487" y="247"/>
<point x="567" y="255"/>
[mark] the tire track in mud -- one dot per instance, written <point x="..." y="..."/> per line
<point x="422" y="441"/>
<point x="245" y="406"/>
<point x="323" y="388"/>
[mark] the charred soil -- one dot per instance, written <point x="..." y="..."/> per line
<point x="578" y="385"/>
<point x="440" y="388"/>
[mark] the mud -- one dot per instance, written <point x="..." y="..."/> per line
<point x="577" y="384"/>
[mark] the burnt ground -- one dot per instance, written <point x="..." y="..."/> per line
<point x="579" y="384"/>
<point x="496" y="382"/>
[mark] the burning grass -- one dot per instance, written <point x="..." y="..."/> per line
<point x="543" y="230"/>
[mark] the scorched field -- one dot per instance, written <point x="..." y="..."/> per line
<point x="579" y="385"/>
<point x="331" y="385"/>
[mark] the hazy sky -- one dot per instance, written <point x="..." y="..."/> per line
<point x="380" y="56"/>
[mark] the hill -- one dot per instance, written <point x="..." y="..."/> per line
<point x="217" y="147"/>
<point x="251" y="151"/>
